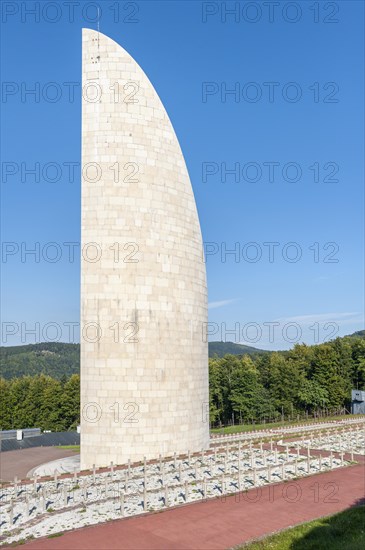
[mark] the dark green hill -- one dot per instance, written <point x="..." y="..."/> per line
<point x="53" y="358"/>
<point x="358" y="334"/>
<point x="223" y="348"/>
<point x="58" y="359"/>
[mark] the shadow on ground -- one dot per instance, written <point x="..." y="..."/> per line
<point x="345" y="530"/>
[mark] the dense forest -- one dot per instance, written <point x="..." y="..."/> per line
<point x="243" y="388"/>
<point x="305" y="380"/>
<point x="40" y="401"/>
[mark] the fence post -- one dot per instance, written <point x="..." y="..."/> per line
<point x="11" y="512"/>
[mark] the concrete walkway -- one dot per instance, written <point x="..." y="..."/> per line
<point x="223" y="523"/>
<point x="20" y="462"/>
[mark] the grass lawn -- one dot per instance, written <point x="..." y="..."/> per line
<point x="343" y="531"/>
<point x="75" y="448"/>
<point x="268" y="426"/>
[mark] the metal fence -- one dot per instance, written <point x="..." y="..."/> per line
<point x="26" y="432"/>
<point x="44" y="440"/>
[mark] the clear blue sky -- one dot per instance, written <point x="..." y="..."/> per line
<point x="179" y="52"/>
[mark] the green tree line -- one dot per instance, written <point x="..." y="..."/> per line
<point x="304" y="380"/>
<point x="40" y="402"/>
<point x="242" y="389"/>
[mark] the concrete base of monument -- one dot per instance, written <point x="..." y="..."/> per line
<point x="65" y="465"/>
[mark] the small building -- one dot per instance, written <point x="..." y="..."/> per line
<point x="358" y="402"/>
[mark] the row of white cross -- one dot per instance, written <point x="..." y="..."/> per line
<point x="333" y="426"/>
<point x="188" y="476"/>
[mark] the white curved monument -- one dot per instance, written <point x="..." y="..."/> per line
<point x="144" y="364"/>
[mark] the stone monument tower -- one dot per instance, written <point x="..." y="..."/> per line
<point x="144" y="362"/>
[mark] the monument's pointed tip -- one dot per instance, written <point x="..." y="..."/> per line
<point x="86" y="31"/>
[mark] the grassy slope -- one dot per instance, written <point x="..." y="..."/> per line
<point x="268" y="426"/>
<point x="343" y="531"/>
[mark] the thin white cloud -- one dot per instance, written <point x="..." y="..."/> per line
<point x="221" y="303"/>
<point x="343" y="318"/>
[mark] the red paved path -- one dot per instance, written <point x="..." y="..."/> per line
<point x="221" y="524"/>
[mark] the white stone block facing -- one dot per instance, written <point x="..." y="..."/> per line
<point x="144" y="366"/>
